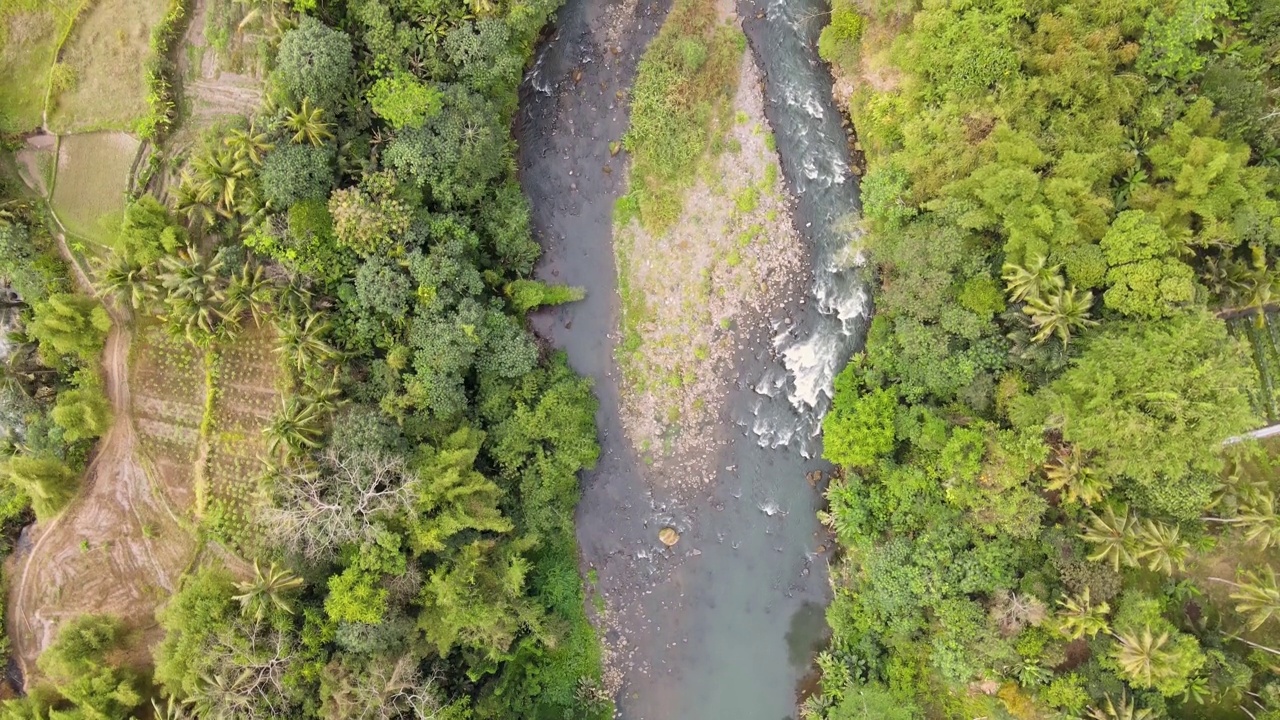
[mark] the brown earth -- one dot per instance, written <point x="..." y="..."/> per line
<point x="119" y="547"/>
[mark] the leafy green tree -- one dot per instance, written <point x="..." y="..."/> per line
<point x="48" y="482"/>
<point x="1151" y="403"/>
<point x="529" y="294"/>
<point x="1145" y="279"/>
<point x="454" y="497"/>
<point x="67" y="325"/>
<point x="78" y="664"/>
<point x="83" y="412"/>
<point x="315" y="62"/>
<point x="294" y="173"/>
<point x="403" y="101"/>
<point x="148" y="232"/>
<point x="457" y="154"/>
<point x="858" y="430"/>
<point x="369" y="221"/>
<point x="1169" y="47"/>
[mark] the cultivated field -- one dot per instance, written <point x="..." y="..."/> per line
<point x="93" y="174"/>
<point x="103" y="59"/>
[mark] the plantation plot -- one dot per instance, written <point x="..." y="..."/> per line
<point x="168" y="383"/>
<point x="100" y="84"/>
<point x="244" y="403"/>
<point x="92" y="176"/>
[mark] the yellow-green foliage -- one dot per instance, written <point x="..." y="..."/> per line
<point x="681" y="101"/>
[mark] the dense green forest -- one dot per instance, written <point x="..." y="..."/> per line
<point x="409" y="552"/>
<point x="1065" y="200"/>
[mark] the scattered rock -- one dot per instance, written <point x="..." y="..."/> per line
<point x="668" y="536"/>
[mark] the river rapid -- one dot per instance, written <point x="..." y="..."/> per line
<point x="723" y="625"/>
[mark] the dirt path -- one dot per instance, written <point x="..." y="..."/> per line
<point x="118" y="548"/>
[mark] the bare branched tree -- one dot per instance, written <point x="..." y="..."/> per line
<point x="382" y="690"/>
<point x="342" y="501"/>
<point x="248" y="661"/>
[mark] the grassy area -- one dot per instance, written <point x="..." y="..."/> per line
<point x="104" y="86"/>
<point x="93" y="174"/>
<point x="33" y="30"/>
<point x="681" y="107"/>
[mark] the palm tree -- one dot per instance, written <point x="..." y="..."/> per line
<point x="1115" y="536"/>
<point x="307" y="124"/>
<point x="248" y="144"/>
<point x="170" y="709"/>
<point x="1163" y="547"/>
<point x="301" y="344"/>
<point x="1124" y="711"/>
<point x="1146" y="658"/>
<point x="1258" y="521"/>
<point x="126" y="281"/>
<point x="249" y="293"/>
<point x="267" y="589"/>
<point x="1076" y="481"/>
<point x="219" y="175"/>
<point x="1079" y="616"/>
<point x="193" y="294"/>
<point x="1030" y="281"/>
<point x="299" y="426"/>
<point x="195" y="201"/>
<point x="325" y="396"/>
<point x="1059" y="311"/>
<point x="1257" y="596"/>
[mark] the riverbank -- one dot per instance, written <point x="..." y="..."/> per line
<point x="701" y="289"/>
<point x="724" y="623"/>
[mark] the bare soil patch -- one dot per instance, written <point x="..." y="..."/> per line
<point x="703" y="283"/>
<point x="119" y="548"/>
<point x="219" y="64"/>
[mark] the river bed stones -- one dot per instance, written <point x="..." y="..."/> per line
<point x="669" y="536"/>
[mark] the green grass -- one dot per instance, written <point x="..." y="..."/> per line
<point x="93" y="174"/>
<point x="32" y="32"/>
<point x="682" y="104"/>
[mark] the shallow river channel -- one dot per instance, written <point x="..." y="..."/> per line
<point x="722" y="626"/>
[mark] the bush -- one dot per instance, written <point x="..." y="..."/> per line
<point x="315" y="62"/>
<point x="838" y="43"/>
<point x="296" y="173"/>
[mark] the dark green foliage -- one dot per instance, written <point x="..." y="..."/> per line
<point x="456" y="155"/>
<point x="315" y="62"/>
<point x="292" y="174"/>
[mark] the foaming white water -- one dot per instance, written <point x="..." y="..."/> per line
<point x="796" y="390"/>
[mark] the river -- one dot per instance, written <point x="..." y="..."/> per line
<point x="723" y="625"/>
